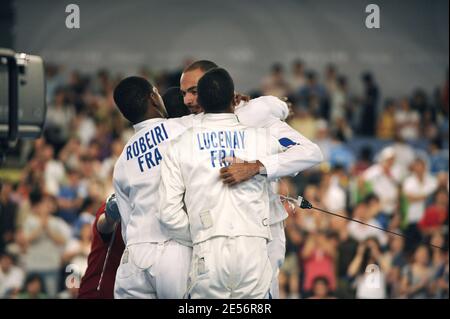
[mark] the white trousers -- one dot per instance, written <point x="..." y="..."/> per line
<point x="153" y="271"/>
<point x="277" y="251"/>
<point x="230" y="267"/>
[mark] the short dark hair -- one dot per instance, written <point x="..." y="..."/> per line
<point x="173" y="100"/>
<point x="371" y="197"/>
<point x="131" y="96"/>
<point x="203" y="65"/>
<point x="321" y="279"/>
<point x="215" y="90"/>
<point x="35" y="196"/>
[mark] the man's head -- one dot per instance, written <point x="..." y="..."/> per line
<point x="419" y="166"/>
<point x="189" y="80"/>
<point x="216" y="91"/>
<point x="173" y="100"/>
<point x="138" y="100"/>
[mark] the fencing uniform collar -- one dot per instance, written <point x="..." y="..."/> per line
<point x="222" y="118"/>
<point x="139" y="126"/>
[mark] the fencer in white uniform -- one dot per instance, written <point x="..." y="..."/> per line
<point x="266" y="112"/>
<point x="228" y="226"/>
<point x="153" y="265"/>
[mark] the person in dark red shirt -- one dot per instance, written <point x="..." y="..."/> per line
<point x="106" y="252"/>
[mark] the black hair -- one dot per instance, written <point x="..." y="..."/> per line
<point x="203" y="65"/>
<point x="370" y="197"/>
<point x="215" y="91"/>
<point x="277" y="67"/>
<point x="87" y="202"/>
<point x="32" y="277"/>
<point x="311" y="76"/>
<point x="173" y="100"/>
<point x="132" y="97"/>
<point x="437" y="141"/>
<point x="35" y="196"/>
<point x="365" y="153"/>
<point x="321" y="279"/>
<point x="367" y="77"/>
<point x="342" y="80"/>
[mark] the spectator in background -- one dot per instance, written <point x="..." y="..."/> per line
<point x="346" y="249"/>
<point x="54" y="171"/>
<point x="366" y="212"/>
<point x="333" y="196"/>
<point x="417" y="276"/>
<point x="71" y="153"/>
<point x="341" y="154"/>
<point x="45" y="237"/>
<point x="436" y="214"/>
<point x="383" y="181"/>
<point x="275" y="84"/>
<point x="312" y="89"/>
<point x="368" y="272"/>
<point x="11" y="276"/>
<point x="407" y="121"/>
<point x="323" y="139"/>
<point x="369" y="105"/>
<point x="439" y="287"/>
<point x="338" y="99"/>
<point x="386" y="122"/>
<point x="304" y="122"/>
<point x="404" y="157"/>
<point x="103" y="139"/>
<point x="58" y="121"/>
<point x="289" y="279"/>
<point x="84" y="127"/>
<point x="363" y="162"/>
<point x="53" y="81"/>
<point x="395" y="259"/>
<point x="297" y="80"/>
<point x="312" y="222"/>
<point x="438" y="156"/>
<point x="318" y="257"/>
<point x="331" y="78"/>
<point x="8" y="215"/>
<point x="69" y="198"/>
<point x="34" y="288"/>
<point x="419" y="102"/>
<point x="321" y="289"/>
<point x="438" y="255"/>
<point x="107" y="164"/>
<point x="77" y="250"/>
<point x="416" y="189"/>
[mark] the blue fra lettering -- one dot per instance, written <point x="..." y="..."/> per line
<point x="149" y="160"/>
<point x="219" y="157"/>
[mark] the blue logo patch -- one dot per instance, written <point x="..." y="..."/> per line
<point x="287" y="142"/>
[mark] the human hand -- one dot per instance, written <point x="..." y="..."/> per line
<point x="239" y="171"/>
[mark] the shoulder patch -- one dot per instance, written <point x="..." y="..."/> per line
<point x="287" y="142"/>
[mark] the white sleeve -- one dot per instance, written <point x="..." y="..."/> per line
<point x="277" y="107"/>
<point x="171" y="191"/>
<point x="122" y="189"/>
<point x="262" y="111"/>
<point x="299" y="153"/>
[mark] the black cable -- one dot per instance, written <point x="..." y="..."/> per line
<point x="307" y="205"/>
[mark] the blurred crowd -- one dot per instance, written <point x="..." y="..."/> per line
<point x="46" y="214"/>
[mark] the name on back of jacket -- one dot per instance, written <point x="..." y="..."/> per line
<point x="221" y="144"/>
<point x="145" y="149"/>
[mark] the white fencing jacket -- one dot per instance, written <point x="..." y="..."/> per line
<point x="300" y="155"/>
<point x="137" y="171"/>
<point x="190" y="177"/>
